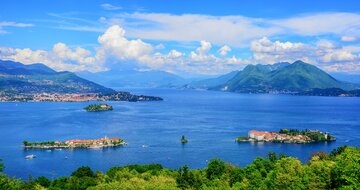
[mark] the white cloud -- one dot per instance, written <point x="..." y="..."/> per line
<point x="12" y="24"/>
<point x="224" y="50"/>
<point x="110" y="7"/>
<point x="321" y="23"/>
<point x="205" y="46"/>
<point x="115" y="46"/>
<point x="231" y="30"/>
<point x="323" y="54"/>
<point x="15" y="24"/>
<point x="175" y="54"/>
<point x="114" y="42"/>
<point x="235" y="30"/>
<point x="348" y="38"/>
<point x="266" y="51"/>
<point x="61" y="58"/>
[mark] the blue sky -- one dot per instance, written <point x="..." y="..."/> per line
<point x="195" y="37"/>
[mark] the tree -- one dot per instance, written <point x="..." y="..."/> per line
<point x="26" y="143"/>
<point x="237" y="175"/>
<point x="1" y="166"/>
<point x="43" y="181"/>
<point x="272" y="156"/>
<point x="187" y="179"/>
<point x="320" y="172"/>
<point x="346" y="172"/>
<point x="338" y="151"/>
<point x="215" y="169"/>
<point x="287" y="174"/>
<point x="83" y="171"/>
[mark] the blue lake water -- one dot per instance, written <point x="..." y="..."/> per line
<point x="210" y="120"/>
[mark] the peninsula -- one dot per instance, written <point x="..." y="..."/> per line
<point x="98" y="107"/>
<point x="287" y="136"/>
<point x="76" y="143"/>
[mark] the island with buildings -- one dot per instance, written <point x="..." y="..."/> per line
<point x="76" y="143"/>
<point x="287" y="136"/>
<point x="98" y="107"/>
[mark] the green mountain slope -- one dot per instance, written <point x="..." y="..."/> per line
<point x="298" y="76"/>
<point x="38" y="78"/>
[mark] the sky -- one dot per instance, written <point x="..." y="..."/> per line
<point x="184" y="37"/>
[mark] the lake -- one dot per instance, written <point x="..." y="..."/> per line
<point x="210" y="121"/>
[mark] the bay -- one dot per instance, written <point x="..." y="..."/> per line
<point x="210" y="121"/>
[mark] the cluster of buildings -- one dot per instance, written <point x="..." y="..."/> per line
<point x="49" y="97"/>
<point x="65" y="97"/>
<point x="274" y="136"/>
<point x="77" y="143"/>
<point x="95" y="142"/>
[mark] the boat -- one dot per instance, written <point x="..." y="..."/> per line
<point x="31" y="156"/>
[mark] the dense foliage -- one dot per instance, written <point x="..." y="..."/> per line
<point x="98" y="107"/>
<point x="49" y="143"/>
<point x="183" y="139"/>
<point x="338" y="170"/>
<point x="314" y="135"/>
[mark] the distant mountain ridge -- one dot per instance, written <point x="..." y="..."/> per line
<point x="295" y="77"/>
<point x="211" y="82"/>
<point x="16" y="77"/>
<point x="134" y="78"/>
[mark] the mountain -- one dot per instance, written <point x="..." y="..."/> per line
<point x="134" y="78"/>
<point x="211" y="82"/>
<point x="16" y="77"/>
<point x="281" y="77"/>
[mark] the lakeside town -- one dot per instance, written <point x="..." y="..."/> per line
<point x="287" y="136"/>
<point x="74" y="97"/>
<point x="76" y="143"/>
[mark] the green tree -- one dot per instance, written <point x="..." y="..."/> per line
<point x="287" y="174"/>
<point x="83" y="171"/>
<point x="215" y="169"/>
<point x="272" y="156"/>
<point x="43" y="181"/>
<point x="187" y="179"/>
<point x="1" y="166"/>
<point x="320" y="172"/>
<point x="346" y="172"/>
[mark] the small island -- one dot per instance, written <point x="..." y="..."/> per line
<point x="287" y="136"/>
<point x="183" y="140"/>
<point x="76" y="143"/>
<point x="98" y="107"/>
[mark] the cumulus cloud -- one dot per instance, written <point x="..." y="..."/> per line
<point x="266" y="51"/>
<point x="114" y="42"/>
<point x="224" y="50"/>
<point x="323" y="54"/>
<point x="115" y="46"/>
<point x="61" y="58"/>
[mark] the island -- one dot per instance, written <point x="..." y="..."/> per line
<point x="287" y="136"/>
<point x="76" y="143"/>
<point x="98" y="107"/>
<point x="183" y="140"/>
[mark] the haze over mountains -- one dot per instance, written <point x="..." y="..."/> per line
<point x="134" y="78"/>
<point x="298" y="77"/>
